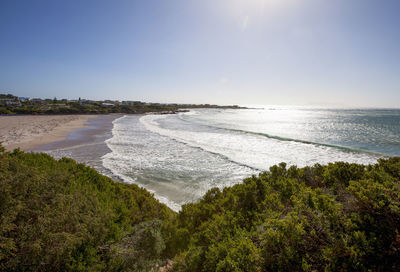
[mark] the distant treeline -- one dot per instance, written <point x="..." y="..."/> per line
<point x="10" y="104"/>
<point x="64" y="216"/>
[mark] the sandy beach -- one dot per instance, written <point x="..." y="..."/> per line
<point x="31" y="131"/>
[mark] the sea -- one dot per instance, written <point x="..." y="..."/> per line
<point x="179" y="157"/>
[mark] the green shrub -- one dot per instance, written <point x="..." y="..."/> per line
<point x="64" y="216"/>
<point x="61" y="215"/>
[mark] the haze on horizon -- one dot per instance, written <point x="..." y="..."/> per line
<point x="311" y="52"/>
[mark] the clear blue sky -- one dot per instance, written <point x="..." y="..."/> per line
<point x="301" y="52"/>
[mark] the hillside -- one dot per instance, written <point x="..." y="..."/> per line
<point x="339" y="217"/>
<point x="61" y="215"/>
<point x="64" y="216"/>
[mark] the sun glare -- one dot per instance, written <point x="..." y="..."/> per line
<point x="246" y="10"/>
<point x="258" y="5"/>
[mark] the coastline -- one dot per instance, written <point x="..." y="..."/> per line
<point x="86" y="144"/>
<point x="29" y="132"/>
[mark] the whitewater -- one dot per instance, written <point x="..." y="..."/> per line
<point x="179" y="157"/>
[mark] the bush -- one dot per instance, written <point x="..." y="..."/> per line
<point x="337" y="217"/>
<point x="61" y="215"/>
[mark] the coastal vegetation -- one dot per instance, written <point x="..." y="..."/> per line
<point x="59" y="215"/>
<point x="10" y="104"/>
<point x="64" y="216"/>
<point x="339" y="217"/>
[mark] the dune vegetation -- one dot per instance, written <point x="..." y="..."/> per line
<point x="59" y="215"/>
<point x="64" y="216"/>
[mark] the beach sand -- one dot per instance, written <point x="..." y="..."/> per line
<point x="31" y="131"/>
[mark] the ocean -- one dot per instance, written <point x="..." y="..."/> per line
<point x="179" y="157"/>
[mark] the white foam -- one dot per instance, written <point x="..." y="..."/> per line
<point x="118" y="172"/>
<point x="162" y="166"/>
<point x="256" y="151"/>
<point x="179" y="161"/>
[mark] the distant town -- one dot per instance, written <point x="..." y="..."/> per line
<point x="11" y="104"/>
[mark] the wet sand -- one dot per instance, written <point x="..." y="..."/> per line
<point x="80" y="137"/>
<point x="28" y="132"/>
<point x="86" y="145"/>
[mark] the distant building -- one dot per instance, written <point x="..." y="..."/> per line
<point x="23" y="99"/>
<point x="37" y="100"/>
<point x="107" y="105"/>
<point x="5" y="100"/>
<point x="130" y="103"/>
<point x="13" y="104"/>
<point x="86" y="102"/>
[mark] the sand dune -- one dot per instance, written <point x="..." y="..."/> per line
<point x="30" y="131"/>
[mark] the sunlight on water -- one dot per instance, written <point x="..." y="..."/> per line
<point x="180" y="157"/>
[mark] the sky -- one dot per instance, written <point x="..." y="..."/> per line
<point x="287" y="52"/>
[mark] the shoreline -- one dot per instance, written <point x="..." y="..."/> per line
<point x="85" y="145"/>
<point x="29" y="132"/>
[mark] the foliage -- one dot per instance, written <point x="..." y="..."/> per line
<point x="337" y="217"/>
<point x="62" y="216"/>
<point x="54" y="106"/>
